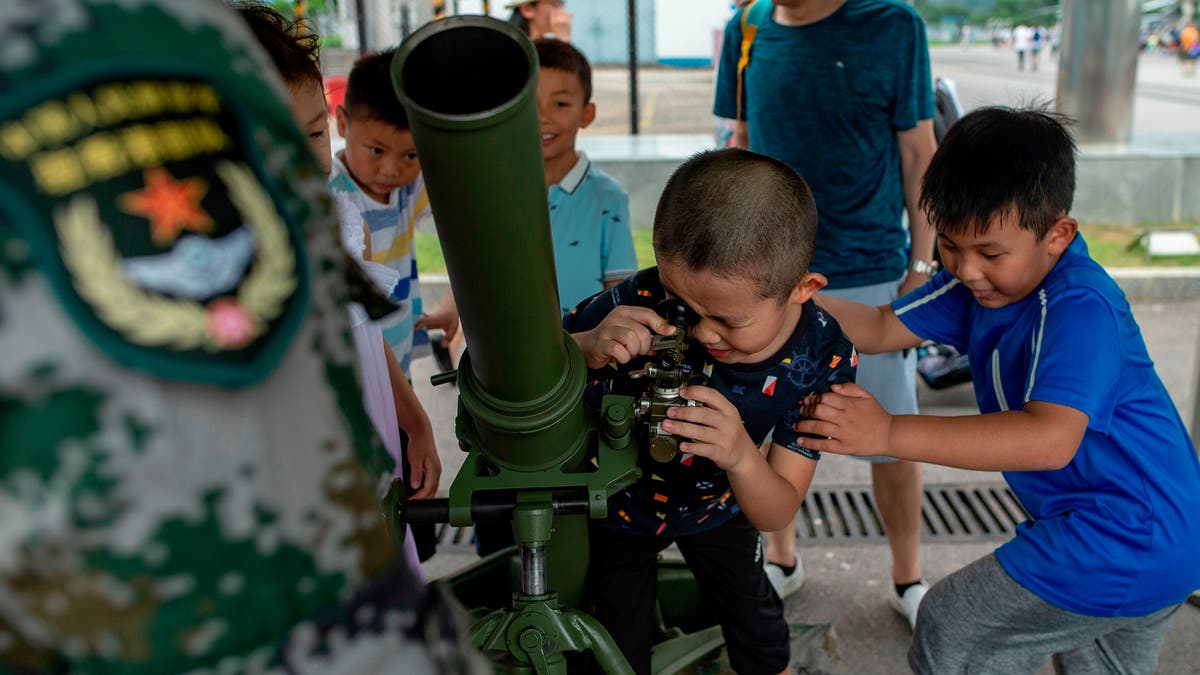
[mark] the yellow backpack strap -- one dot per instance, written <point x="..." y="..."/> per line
<point x="750" y="21"/>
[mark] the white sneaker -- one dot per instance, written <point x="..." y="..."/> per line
<point x="908" y="604"/>
<point x="785" y="584"/>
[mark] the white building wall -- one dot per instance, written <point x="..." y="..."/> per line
<point x="687" y="31"/>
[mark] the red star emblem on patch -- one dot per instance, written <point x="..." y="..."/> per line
<point x="170" y="205"/>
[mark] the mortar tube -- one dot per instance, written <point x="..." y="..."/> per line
<point x="468" y="84"/>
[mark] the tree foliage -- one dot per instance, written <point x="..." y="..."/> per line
<point x="1027" y="11"/>
<point x="1044" y="12"/>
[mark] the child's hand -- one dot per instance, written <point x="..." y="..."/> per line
<point x="425" y="467"/>
<point x="716" y="430"/>
<point x="446" y="321"/>
<point x="848" y="419"/>
<point x="622" y="335"/>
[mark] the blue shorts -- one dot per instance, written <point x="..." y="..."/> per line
<point x="892" y="377"/>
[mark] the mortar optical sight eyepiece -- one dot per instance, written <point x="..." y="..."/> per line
<point x="668" y="376"/>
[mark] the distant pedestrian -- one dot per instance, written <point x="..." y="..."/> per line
<point x="1035" y="46"/>
<point x="1022" y="38"/>
<point x="541" y="18"/>
<point x="1189" y="49"/>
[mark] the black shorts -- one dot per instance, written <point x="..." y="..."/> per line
<point x="727" y="563"/>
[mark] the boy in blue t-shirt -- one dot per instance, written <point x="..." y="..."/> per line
<point x="1072" y="413"/>
<point x="589" y="211"/>
<point x="733" y="235"/>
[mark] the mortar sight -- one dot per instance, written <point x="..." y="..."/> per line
<point x="667" y="376"/>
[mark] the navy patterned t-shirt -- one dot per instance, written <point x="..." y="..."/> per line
<point x="690" y="494"/>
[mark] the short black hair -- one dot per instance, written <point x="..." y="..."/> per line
<point x="559" y="55"/>
<point x="736" y="213"/>
<point x="293" y="45"/>
<point x="998" y="159"/>
<point x="369" y="93"/>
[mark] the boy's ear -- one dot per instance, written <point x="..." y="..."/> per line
<point x="589" y="114"/>
<point x="341" y="121"/>
<point x="809" y="284"/>
<point x="1061" y="234"/>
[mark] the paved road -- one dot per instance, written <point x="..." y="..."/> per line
<point x="680" y="101"/>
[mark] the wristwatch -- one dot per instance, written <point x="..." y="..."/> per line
<point x="922" y="267"/>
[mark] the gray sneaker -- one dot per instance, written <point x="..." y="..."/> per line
<point x="908" y="604"/>
<point x="785" y="584"/>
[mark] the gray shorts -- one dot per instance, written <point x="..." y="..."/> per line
<point x="979" y="620"/>
<point x="891" y="377"/>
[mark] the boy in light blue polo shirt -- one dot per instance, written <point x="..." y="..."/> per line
<point x="589" y="211"/>
<point x="1072" y="412"/>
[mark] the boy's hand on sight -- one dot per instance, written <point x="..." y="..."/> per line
<point x="716" y="430"/>
<point x="625" y="333"/>
<point x="425" y="467"/>
<point x="848" y="420"/>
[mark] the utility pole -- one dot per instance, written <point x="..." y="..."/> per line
<point x="633" y="64"/>
<point x="360" y="13"/>
<point x="1098" y="67"/>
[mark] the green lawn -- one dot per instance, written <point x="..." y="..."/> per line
<point x="1111" y="245"/>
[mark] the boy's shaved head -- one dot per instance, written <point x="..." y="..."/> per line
<point x="369" y="93"/>
<point x="998" y="159"/>
<point x="736" y="213"/>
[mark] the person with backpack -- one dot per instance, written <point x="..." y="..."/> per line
<point x="857" y="124"/>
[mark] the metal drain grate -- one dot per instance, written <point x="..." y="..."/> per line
<point x="847" y="514"/>
<point x="950" y="512"/>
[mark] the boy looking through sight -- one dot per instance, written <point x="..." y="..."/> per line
<point x="761" y="345"/>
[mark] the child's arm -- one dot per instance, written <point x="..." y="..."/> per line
<point x="873" y="330"/>
<point x="769" y="489"/>
<point x="623" y="334"/>
<point x="1039" y="437"/>
<point x="425" y="467"/>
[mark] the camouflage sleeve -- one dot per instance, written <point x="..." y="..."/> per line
<point x="19" y="656"/>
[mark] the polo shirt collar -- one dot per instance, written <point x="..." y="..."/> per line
<point x="575" y="176"/>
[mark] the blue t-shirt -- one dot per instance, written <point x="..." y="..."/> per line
<point x="1117" y="531"/>
<point x="589" y="225"/>
<point x="828" y="98"/>
<point x="691" y="494"/>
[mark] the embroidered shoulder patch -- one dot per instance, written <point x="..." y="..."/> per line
<point x="144" y="208"/>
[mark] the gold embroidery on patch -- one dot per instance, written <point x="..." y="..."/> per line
<point x="153" y="320"/>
